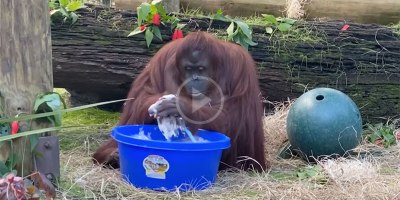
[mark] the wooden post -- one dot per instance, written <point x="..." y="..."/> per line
<point x="25" y="68"/>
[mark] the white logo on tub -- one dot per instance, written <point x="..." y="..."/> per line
<point x="155" y="166"/>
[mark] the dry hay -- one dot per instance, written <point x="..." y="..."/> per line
<point x="374" y="174"/>
<point x="295" y="8"/>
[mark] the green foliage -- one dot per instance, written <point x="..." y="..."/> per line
<point x="382" y="135"/>
<point x="396" y="28"/>
<point x="313" y="172"/>
<point x="274" y="24"/>
<point x="49" y="102"/>
<point x="310" y="171"/>
<point x="4" y="169"/>
<point x="238" y="31"/>
<point x="149" y="25"/>
<point x="48" y="106"/>
<point x="65" y="9"/>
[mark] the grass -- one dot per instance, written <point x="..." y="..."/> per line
<point x="193" y="12"/>
<point x="368" y="177"/>
<point x="84" y="127"/>
<point x="396" y="28"/>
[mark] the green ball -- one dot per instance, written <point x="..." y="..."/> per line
<point x="324" y="122"/>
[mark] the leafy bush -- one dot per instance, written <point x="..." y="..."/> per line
<point x="65" y="9"/>
<point x="382" y="135"/>
<point x="150" y="17"/>
<point x="238" y="31"/>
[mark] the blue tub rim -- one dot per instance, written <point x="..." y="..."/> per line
<point x="222" y="142"/>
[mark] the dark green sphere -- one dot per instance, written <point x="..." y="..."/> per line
<point x="324" y="122"/>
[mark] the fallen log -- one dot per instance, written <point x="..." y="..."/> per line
<point x="94" y="59"/>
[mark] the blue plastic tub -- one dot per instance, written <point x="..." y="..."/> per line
<point x="158" y="164"/>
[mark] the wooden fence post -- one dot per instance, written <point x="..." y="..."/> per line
<point x="25" y="69"/>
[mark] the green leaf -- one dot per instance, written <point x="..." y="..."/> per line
<point x="34" y="139"/>
<point x="149" y="37"/>
<point x="220" y="12"/>
<point x="245" y="28"/>
<point x="249" y="41"/>
<point x="220" y="16"/>
<point x="143" y="11"/>
<point x="3" y="169"/>
<point x="140" y="16"/>
<point x="269" y="30"/>
<point x="180" y="26"/>
<point x="373" y="138"/>
<point x="63" y="3"/>
<point x="283" y="27"/>
<point x="161" y="11"/>
<point x="12" y="158"/>
<point x="175" y="24"/>
<point x="157" y="32"/>
<point x="153" y="10"/>
<point x="236" y="38"/>
<point x="53" y="5"/>
<point x="146" y="8"/>
<point x="243" y="43"/>
<point x="52" y="99"/>
<point x="64" y="12"/>
<point x="135" y="32"/>
<point x="74" y="17"/>
<point x="52" y="102"/>
<point x="289" y="21"/>
<point x="230" y="29"/>
<point x="270" y="18"/>
<point x="74" y="5"/>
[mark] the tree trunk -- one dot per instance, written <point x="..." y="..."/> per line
<point x="95" y="59"/>
<point x="26" y="68"/>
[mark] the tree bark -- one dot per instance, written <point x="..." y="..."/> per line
<point x="94" y="58"/>
<point x="26" y="68"/>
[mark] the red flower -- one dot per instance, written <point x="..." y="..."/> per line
<point x="345" y="27"/>
<point x="156" y="19"/>
<point x="14" y="127"/>
<point x="142" y="27"/>
<point x="178" y="33"/>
